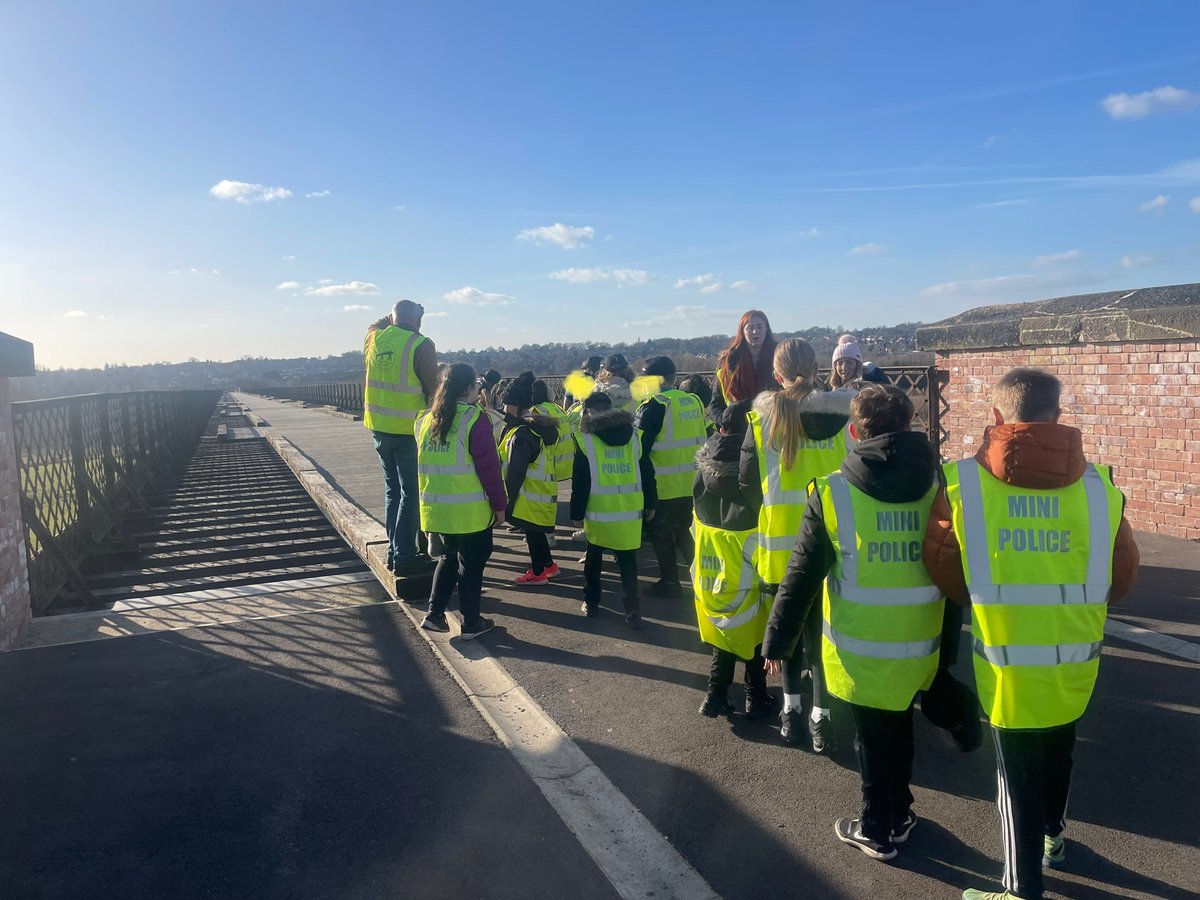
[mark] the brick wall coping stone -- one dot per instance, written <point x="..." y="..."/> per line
<point x="1167" y="313"/>
<point x="16" y="357"/>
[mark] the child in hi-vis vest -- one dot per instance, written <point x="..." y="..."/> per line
<point x="858" y="559"/>
<point x="731" y="610"/>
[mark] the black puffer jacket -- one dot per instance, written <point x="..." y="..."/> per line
<point x="822" y="415"/>
<point x="894" y="468"/>
<point x="534" y="432"/>
<point x="716" y="493"/>
<point x="615" y="428"/>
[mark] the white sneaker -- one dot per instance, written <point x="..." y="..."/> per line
<point x="579" y="535"/>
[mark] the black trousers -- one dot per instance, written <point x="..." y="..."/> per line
<point x="670" y="533"/>
<point x="721" y="670"/>
<point x="1034" y="769"/>
<point x="593" y="564"/>
<point x="885" y="759"/>
<point x="808" y="646"/>
<point x="461" y="566"/>
<point x="539" y="551"/>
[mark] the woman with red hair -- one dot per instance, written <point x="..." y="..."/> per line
<point x="745" y="367"/>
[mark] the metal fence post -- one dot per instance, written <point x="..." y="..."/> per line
<point x="79" y="466"/>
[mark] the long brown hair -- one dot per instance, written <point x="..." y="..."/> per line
<point x="456" y="380"/>
<point x="796" y="365"/>
<point x="736" y="367"/>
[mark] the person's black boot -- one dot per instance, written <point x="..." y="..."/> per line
<point x="760" y="704"/>
<point x="791" y="727"/>
<point x="716" y="703"/>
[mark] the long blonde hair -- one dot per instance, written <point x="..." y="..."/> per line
<point x="796" y="366"/>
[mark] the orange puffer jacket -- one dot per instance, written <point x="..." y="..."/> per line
<point x="1038" y="455"/>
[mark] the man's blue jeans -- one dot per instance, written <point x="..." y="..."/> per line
<point x="401" y="516"/>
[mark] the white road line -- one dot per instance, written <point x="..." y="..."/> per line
<point x="637" y="860"/>
<point x="1162" y="642"/>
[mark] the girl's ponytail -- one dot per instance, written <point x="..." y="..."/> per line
<point x="796" y="366"/>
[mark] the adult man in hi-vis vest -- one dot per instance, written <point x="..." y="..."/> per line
<point x="672" y="428"/>
<point x="401" y="377"/>
<point x="859" y="550"/>
<point x="1033" y="537"/>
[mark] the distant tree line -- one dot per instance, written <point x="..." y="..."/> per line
<point x="892" y="345"/>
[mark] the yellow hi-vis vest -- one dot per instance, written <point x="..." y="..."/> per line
<point x="452" y="498"/>
<point x="673" y="453"/>
<point x="537" y="501"/>
<point x="882" y="614"/>
<point x="615" y="502"/>
<point x="393" y="394"/>
<point x="1038" y="566"/>
<point x="562" y="452"/>
<point x="731" y="610"/>
<point x="785" y="493"/>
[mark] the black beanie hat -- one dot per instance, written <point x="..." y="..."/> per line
<point x="660" y="366"/>
<point x="591" y="365"/>
<point x="491" y="378"/>
<point x="616" y="362"/>
<point x="520" y="392"/>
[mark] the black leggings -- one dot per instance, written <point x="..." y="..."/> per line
<point x="593" y="564"/>
<point x="808" y="646"/>
<point x="462" y="566"/>
<point x="539" y="551"/>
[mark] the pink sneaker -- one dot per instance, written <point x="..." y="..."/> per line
<point x="530" y="578"/>
<point x="551" y="570"/>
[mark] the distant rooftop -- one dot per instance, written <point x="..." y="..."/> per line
<point x="1163" y="313"/>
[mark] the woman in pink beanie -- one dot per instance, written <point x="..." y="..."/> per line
<point x="847" y="362"/>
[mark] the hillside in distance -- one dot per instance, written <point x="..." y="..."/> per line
<point x="889" y="345"/>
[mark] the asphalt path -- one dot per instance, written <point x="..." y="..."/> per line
<point x="321" y="754"/>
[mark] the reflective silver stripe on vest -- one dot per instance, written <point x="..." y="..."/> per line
<point x="675" y="470"/>
<point x="746" y="615"/>
<point x="778" y="542"/>
<point x="391" y="411"/>
<point x="667" y="435"/>
<point x="1037" y="654"/>
<point x="843" y="511"/>
<point x="882" y="649"/>
<point x="747" y="581"/>
<point x="589" y="449"/>
<point x="615" y="488"/>
<point x="446" y="470"/>
<point x="1038" y="594"/>
<point x="983" y="588"/>
<point x="455" y="498"/>
<point x="621" y="516"/>
<point x="393" y="386"/>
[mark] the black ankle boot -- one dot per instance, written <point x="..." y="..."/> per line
<point x="716" y="703"/>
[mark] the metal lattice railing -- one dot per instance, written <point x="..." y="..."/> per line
<point x="84" y="461"/>
<point x="921" y="383"/>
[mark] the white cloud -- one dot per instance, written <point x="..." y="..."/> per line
<point x="681" y="314"/>
<point x="812" y="232"/>
<point x="999" y="203"/>
<point x="289" y="286"/>
<point x="868" y="249"/>
<point x="1148" y="103"/>
<point x="436" y="314"/>
<point x="566" y="236"/>
<point x="338" y="290"/>
<point x="706" y="280"/>
<point x="192" y="270"/>
<point x="742" y="286"/>
<point x="355" y="307"/>
<point x="470" y="296"/>
<point x="325" y="281"/>
<point x="1141" y="261"/>
<point x="1194" y="205"/>
<point x="1057" y="259"/>
<point x="244" y="192"/>
<point x="400" y="208"/>
<point x="623" y="277"/>
<point x="289" y="257"/>
<point x="316" y="194"/>
<point x="1156" y="205"/>
<point x="74" y="314"/>
<point x="1005" y="287"/>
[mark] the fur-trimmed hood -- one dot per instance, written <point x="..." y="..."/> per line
<point x="719" y="457"/>
<point x="822" y="413"/>
<point x="545" y="427"/>
<point x="613" y="426"/>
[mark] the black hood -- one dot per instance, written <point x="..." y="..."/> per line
<point x="614" y="426"/>
<point x="545" y="427"/>
<point x="719" y="457"/>
<point x="896" y="468"/>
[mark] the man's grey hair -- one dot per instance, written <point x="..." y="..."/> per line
<point x="407" y="311"/>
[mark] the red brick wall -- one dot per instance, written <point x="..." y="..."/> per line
<point x="14" y="578"/>
<point x="1137" y="404"/>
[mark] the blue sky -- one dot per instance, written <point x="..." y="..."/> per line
<point x="216" y="180"/>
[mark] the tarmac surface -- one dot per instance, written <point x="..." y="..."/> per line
<point x="324" y="752"/>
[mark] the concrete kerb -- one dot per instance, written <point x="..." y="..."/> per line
<point x="638" y="861"/>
